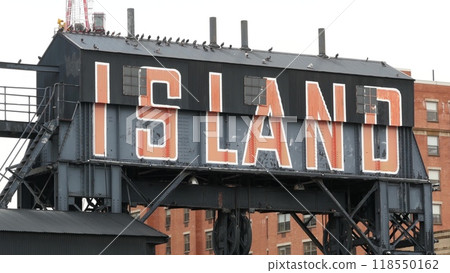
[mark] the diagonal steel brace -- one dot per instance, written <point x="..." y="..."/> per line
<point x="349" y="219"/>
<point x="153" y="205"/>
<point x="307" y="231"/>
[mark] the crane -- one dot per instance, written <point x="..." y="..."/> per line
<point x="77" y="15"/>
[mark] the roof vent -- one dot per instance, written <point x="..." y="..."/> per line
<point x="244" y="35"/>
<point x="322" y="43"/>
<point x="130" y="17"/>
<point x="213" y="32"/>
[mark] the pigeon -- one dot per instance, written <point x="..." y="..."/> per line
<point x="270" y="49"/>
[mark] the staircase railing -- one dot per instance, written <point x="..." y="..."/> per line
<point x="47" y="113"/>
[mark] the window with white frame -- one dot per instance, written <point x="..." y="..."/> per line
<point x="186" y="215"/>
<point x="208" y="235"/>
<point x="310" y="220"/>
<point x="309" y="248"/>
<point x="167" y="217"/>
<point x="433" y="145"/>
<point x="209" y="214"/>
<point x="187" y="243"/>
<point x="432" y="111"/>
<point x="435" y="178"/>
<point x="284" y="250"/>
<point x="437" y="214"/>
<point x="284" y="222"/>
<point x="135" y="214"/>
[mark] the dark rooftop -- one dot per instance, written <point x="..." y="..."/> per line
<point x="22" y="220"/>
<point x="234" y="55"/>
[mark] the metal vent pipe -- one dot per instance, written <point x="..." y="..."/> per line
<point x="322" y="52"/>
<point x="130" y="17"/>
<point x="213" y="32"/>
<point x="244" y="35"/>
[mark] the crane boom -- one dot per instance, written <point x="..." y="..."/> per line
<point x="77" y="13"/>
<point x="68" y="12"/>
<point x="86" y="19"/>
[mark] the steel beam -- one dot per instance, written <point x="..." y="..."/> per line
<point x="263" y="199"/>
<point x="308" y="232"/>
<point x="31" y="67"/>
<point x="382" y="217"/>
<point x="361" y="203"/>
<point x="15" y="129"/>
<point x="347" y="216"/>
<point x="163" y="194"/>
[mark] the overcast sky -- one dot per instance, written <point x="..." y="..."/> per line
<point x="405" y="34"/>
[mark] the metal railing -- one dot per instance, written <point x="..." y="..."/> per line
<point x="39" y="109"/>
<point x="19" y="103"/>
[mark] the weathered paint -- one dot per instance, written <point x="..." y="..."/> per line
<point x="320" y="143"/>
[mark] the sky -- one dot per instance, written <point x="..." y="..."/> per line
<point x="405" y="34"/>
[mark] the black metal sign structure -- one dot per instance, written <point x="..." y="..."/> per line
<point x="130" y="122"/>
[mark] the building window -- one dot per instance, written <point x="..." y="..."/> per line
<point x="435" y="178"/>
<point x="433" y="145"/>
<point x="209" y="245"/>
<point x="168" y="247"/>
<point x="366" y="100"/>
<point x="186" y="215"/>
<point x="187" y="243"/>
<point x="284" y="250"/>
<point x="309" y="248"/>
<point x="135" y="214"/>
<point x="284" y="222"/>
<point x="254" y="90"/>
<point x="432" y="111"/>
<point x="209" y="214"/>
<point x="437" y="214"/>
<point x="134" y="81"/>
<point x="310" y="220"/>
<point x="167" y="218"/>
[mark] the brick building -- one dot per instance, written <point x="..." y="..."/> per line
<point x="432" y="132"/>
<point x="191" y="231"/>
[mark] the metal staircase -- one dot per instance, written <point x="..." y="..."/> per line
<point x="46" y="122"/>
<point x="20" y="171"/>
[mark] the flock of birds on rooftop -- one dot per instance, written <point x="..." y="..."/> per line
<point x="135" y="41"/>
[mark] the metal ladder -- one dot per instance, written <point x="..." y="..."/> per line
<point x="20" y="171"/>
